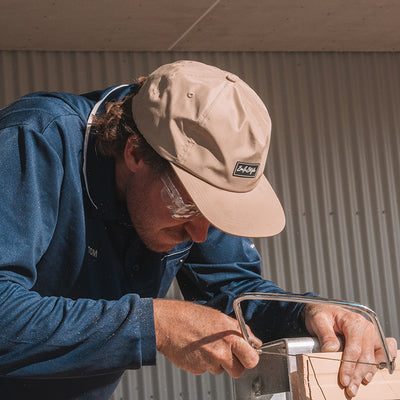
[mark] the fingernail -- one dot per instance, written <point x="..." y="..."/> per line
<point x="346" y="380"/>
<point x="353" y="389"/>
<point x="368" y="377"/>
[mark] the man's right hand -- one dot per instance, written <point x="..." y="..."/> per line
<point x="198" y="339"/>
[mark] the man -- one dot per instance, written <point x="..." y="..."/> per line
<point x="105" y="198"/>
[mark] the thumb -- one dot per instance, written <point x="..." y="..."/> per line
<point x="254" y="340"/>
<point x="320" y="324"/>
<point x="329" y="343"/>
<point x="328" y="340"/>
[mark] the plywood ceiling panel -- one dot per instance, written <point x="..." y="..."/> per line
<point x="206" y="25"/>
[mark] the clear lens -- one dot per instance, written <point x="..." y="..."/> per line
<point x="174" y="202"/>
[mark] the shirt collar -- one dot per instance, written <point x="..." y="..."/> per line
<point x="99" y="171"/>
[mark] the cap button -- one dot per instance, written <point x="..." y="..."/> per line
<point x="231" y="78"/>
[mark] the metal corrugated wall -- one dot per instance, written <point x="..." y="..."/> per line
<point x="334" y="163"/>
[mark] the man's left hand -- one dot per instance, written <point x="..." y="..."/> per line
<point x="361" y="342"/>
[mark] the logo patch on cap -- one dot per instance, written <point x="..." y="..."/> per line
<point x="245" y="170"/>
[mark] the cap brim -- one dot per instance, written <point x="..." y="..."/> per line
<point x="257" y="213"/>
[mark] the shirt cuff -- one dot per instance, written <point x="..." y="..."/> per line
<point x="147" y="331"/>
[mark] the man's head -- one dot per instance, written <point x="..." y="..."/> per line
<point x="207" y="133"/>
<point x="215" y="131"/>
<point x="159" y="206"/>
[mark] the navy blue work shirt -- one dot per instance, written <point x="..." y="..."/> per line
<point x="76" y="282"/>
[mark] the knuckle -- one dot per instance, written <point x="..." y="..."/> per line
<point x="220" y="354"/>
<point x="370" y="358"/>
<point x="217" y="370"/>
<point x="359" y="322"/>
<point x="354" y="350"/>
<point x="198" y="371"/>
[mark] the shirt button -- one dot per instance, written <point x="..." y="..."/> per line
<point x="135" y="267"/>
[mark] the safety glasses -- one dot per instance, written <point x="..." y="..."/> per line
<point x="170" y="195"/>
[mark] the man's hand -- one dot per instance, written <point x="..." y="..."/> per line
<point x="198" y="339"/>
<point x="361" y="342"/>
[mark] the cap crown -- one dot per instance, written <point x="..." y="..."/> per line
<point x="206" y="121"/>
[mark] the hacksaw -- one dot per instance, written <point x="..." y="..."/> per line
<point x="276" y="375"/>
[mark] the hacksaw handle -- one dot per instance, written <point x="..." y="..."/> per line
<point x="389" y="364"/>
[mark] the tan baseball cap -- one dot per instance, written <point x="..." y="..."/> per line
<point x="215" y="131"/>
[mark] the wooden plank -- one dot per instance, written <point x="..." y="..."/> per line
<point x="317" y="379"/>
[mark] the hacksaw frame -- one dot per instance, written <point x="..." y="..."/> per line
<point x="310" y="377"/>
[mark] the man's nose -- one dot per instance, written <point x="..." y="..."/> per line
<point x="197" y="228"/>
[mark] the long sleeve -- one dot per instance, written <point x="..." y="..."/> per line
<point x="43" y="333"/>
<point x="55" y="336"/>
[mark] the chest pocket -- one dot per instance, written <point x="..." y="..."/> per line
<point x="172" y="263"/>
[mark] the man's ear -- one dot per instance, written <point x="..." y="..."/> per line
<point x="131" y="156"/>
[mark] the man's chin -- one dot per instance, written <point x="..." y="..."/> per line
<point x="160" y="247"/>
<point x="165" y="242"/>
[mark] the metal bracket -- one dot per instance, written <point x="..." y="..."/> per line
<point x="273" y="376"/>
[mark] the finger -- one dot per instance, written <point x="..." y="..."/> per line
<point x="360" y="347"/>
<point x="363" y="374"/>
<point x="369" y="375"/>
<point x="216" y="369"/>
<point x="351" y="353"/>
<point x="321" y="325"/>
<point x="245" y="354"/>
<point x="254" y="340"/>
<point x="197" y="368"/>
<point x="233" y="367"/>
<point x="380" y="355"/>
<point x="392" y="345"/>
